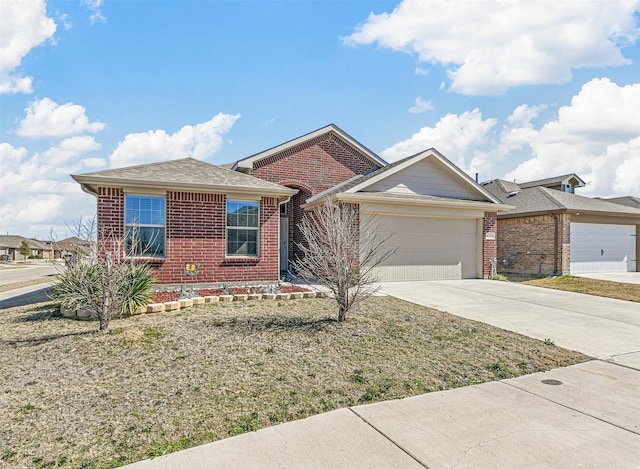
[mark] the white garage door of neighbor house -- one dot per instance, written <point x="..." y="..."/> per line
<point x="602" y="248"/>
<point x="429" y="248"/>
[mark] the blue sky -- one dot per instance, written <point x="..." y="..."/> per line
<point x="504" y="88"/>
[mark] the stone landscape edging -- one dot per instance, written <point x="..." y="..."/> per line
<point x="187" y="303"/>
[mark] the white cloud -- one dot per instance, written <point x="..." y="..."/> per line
<point x="65" y="21"/>
<point x="420" y="105"/>
<point x="197" y="141"/>
<point x="455" y="136"/>
<point x="46" y="118"/>
<point x="597" y="136"/>
<point x="491" y="45"/>
<point x="25" y="25"/>
<point x="36" y="191"/>
<point x="95" y="6"/>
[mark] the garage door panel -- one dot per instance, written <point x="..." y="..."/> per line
<point x="602" y="248"/>
<point x="429" y="248"/>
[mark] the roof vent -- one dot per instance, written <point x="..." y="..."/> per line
<point x="511" y="194"/>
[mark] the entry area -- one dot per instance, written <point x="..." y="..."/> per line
<point x="429" y="248"/>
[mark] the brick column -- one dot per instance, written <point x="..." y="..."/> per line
<point x="562" y="243"/>
<point x="489" y="246"/>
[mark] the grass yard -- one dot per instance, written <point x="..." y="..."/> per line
<point x="620" y="291"/>
<point x="71" y="397"/>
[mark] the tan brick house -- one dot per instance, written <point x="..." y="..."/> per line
<point x="238" y="223"/>
<point x="554" y="231"/>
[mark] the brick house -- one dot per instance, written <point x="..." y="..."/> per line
<point x="238" y="223"/>
<point x="553" y="231"/>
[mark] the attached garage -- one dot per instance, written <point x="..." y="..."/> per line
<point x="602" y="248"/>
<point x="443" y="223"/>
<point x="429" y="248"/>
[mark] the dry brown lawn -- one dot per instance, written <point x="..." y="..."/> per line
<point x="620" y="291"/>
<point x="71" y="397"/>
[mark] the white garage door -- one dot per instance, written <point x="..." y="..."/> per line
<point x="602" y="248"/>
<point x="429" y="248"/>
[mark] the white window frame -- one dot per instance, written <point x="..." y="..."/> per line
<point x="129" y="226"/>
<point x="242" y="228"/>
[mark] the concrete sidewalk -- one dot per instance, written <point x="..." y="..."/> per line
<point x="586" y="415"/>
<point x="592" y="419"/>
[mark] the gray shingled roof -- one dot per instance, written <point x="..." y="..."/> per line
<point x="541" y="199"/>
<point x="14" y="241"/>
<point x="549" y="181"/>
<point x="629" y="201"/>
<point x="503" y="186"/>
<point x="184" y="172"/>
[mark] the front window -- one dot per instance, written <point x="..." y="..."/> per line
<point x="242" y="228"/>
<point x="144" y="225"/>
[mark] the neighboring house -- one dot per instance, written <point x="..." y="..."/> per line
<point x="554" y="231"/>
<point x="10" y="248"/>
<point x="72" y="246"/>
<point x="239" y="223"/>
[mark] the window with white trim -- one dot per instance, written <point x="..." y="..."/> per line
<point x="242" y="228"/>
<point x="144" y="223"/>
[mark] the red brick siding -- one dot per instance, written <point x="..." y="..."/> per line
<point x="312" y="167"/>
<point x="535" y="245"/>
<point x="489" y="246"/>
<point x="317" y="165"/>
<point x="110" y="213"/>
<point x="295" y="213"/>
<point x="196" y="233"/>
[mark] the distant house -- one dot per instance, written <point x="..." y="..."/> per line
<point x="552" y="230"/>
<point x="239" y="223"/>
<point x="72" y="246"/>
<point x="10" y="246"/>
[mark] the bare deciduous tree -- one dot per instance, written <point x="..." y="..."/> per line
<point x="341" y="253"/>
<point x="106" y="281"/>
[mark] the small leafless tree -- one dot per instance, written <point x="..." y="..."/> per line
<point x="341" y="253"/>
<point x="105" y="280"/>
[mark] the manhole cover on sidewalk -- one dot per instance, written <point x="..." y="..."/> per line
<point x="551" y="382"/>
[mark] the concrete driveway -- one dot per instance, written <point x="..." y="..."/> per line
<point x="600" y="327"/>
<point x="621" y="277"/>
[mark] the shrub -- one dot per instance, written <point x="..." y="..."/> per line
<point x="107" y="291"/>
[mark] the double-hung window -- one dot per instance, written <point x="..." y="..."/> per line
<point x="242" y="228"/>
<point x="145" y="225"/>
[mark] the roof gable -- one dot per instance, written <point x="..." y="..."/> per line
<point x="571" y="178"/>
<point x="426" y="173"/>
<point x="181" y="174"/>
<point x="250" y="162"/>
<point x="426" y="176"/>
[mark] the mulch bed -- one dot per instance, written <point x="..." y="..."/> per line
<point x="165" y="296"/>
